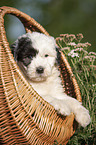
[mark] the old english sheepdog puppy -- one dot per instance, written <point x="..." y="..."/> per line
<point x="36" y="55"/>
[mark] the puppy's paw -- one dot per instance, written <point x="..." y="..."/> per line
<point x="61" y="107"/>
<point x="83" y="117"/>
<point x="64" y="110"/>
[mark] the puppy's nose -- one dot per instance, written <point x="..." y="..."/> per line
<point x="40" y="70"/>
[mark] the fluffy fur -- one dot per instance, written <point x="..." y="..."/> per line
<point x="36" y="56"/>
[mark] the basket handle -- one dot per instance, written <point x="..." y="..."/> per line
<point x="29" y="23"/>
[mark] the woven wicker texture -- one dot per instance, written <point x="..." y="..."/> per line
<point x="25" y="118"/>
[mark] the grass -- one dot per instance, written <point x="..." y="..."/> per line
<point x="83" y="64"/>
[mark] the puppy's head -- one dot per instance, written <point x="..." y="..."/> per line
<point x="36" y="54"/>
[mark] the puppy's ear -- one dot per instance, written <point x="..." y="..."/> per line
<point x="58" y="55"/>
<point x="18" y="46"/>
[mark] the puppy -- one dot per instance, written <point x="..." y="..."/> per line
<point x="36" y="55"/>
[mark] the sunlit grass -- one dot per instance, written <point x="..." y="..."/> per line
<point x="83" y="64"/>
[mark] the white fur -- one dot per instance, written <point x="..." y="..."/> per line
<point x="48" y="84"/>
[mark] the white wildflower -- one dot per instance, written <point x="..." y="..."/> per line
<point x="92" y="53"/>
<point x="75" y="55"/>
<point x="91" y="58"/>
<point x="82" y="45"/>
<point x="81" y="49"/>
<point x="66" y="48"/>
<point x="72" y="53"/>
<point x="93" y="85"/>
<point x="72" y="43"/>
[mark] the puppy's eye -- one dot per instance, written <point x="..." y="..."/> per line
<point x="46" y="55"/>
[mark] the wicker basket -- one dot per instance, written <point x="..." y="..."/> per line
<point x="25" y="118"/>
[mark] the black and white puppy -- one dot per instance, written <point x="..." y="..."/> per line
<point x="35" y="54"/>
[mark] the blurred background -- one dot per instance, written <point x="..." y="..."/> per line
<point x="56" y="16"/>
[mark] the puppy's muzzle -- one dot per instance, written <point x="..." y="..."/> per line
<point x="40" y="70"/>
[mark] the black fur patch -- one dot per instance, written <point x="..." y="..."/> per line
<point x="23" y="51"/>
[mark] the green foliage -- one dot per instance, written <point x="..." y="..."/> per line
<point x="83" y="65"/>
